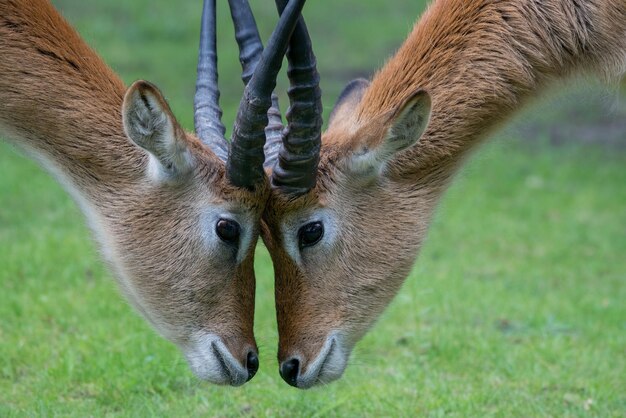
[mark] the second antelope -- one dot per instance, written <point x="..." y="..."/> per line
<point x="344" y="232"/>
<point x="176" y="215"/>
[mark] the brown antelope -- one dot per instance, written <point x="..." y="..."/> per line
<point x="176" y="215"/>
<point x="343" y="243"/>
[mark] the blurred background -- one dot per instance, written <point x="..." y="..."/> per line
<point x="516" y="306"/>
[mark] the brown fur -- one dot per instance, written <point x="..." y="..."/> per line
<point x="62" y="104"/>
<point x="479" y="61"/>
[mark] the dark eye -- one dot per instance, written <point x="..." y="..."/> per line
<point x="228" y="230"/>
<point x="310" y="234"/>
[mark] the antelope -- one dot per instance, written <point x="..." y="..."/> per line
<point x="176" y="215"/>
<point x="344" y="233"/>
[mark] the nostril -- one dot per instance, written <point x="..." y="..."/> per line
<point x="289" y="371"/>
<point x="252" y="364"/>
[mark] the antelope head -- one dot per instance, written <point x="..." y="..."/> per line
<point x="335" y="226"/>
<point x="187" y="263"/>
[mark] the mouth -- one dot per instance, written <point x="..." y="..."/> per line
<point x="234" y="375"/>
<point x="328" y="366"/>
<point x="328" y="354"/>
<point x="211" y="360"/>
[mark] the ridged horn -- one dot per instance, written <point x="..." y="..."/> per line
<point x="245" y="161"/>
<point x="207" y="112"/>
<point x="250" y="50"/>
<point x="295" y="172"/>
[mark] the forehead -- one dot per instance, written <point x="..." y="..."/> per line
<point x="215" y="187"/>
<point x="280" y="206"/>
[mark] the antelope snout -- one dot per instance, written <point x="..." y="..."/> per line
<point x="327" y="366"/>
<point x="210" y="359"/>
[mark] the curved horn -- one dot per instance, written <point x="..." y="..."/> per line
<point x="247" y="36"/>
<point x="296" y="169"/>
<point x="273" y="132"/>
<point x="207" y="112"/>
<point x="245" y="161"/>
<point x="250" y="50"/>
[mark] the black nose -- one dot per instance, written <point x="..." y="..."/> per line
<point x="252" y="363"/>
<point x="289" y="371"/>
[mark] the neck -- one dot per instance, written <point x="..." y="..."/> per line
<point x="60" y="102"/>
<point x="482" y="60"/>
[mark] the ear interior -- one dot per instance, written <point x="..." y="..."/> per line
<point x="405" y="127"/>
<point x="150" y="123"/>
<point x="409" y="123"/>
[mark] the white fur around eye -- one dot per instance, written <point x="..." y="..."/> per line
<point x="290" y="229"/>
<point x="214" y="243"/>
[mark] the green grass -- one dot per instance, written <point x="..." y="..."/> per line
<point x="516" y="306"/>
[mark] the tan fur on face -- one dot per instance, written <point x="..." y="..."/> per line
<point x="62" y="104"/>
<point x="480" y="61"/>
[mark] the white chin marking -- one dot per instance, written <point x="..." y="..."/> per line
<point x="329" y="364"/>
<point x="210" y="360"/>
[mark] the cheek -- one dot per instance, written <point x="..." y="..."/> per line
<point x="166" y="266"/>
<point x="374" y="289"/>
<point x="366" y="276"/>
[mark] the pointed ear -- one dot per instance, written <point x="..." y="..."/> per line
<point x="348" y="100"/>
<point x="150" y="123"/>
<point x="405" y="127"/>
